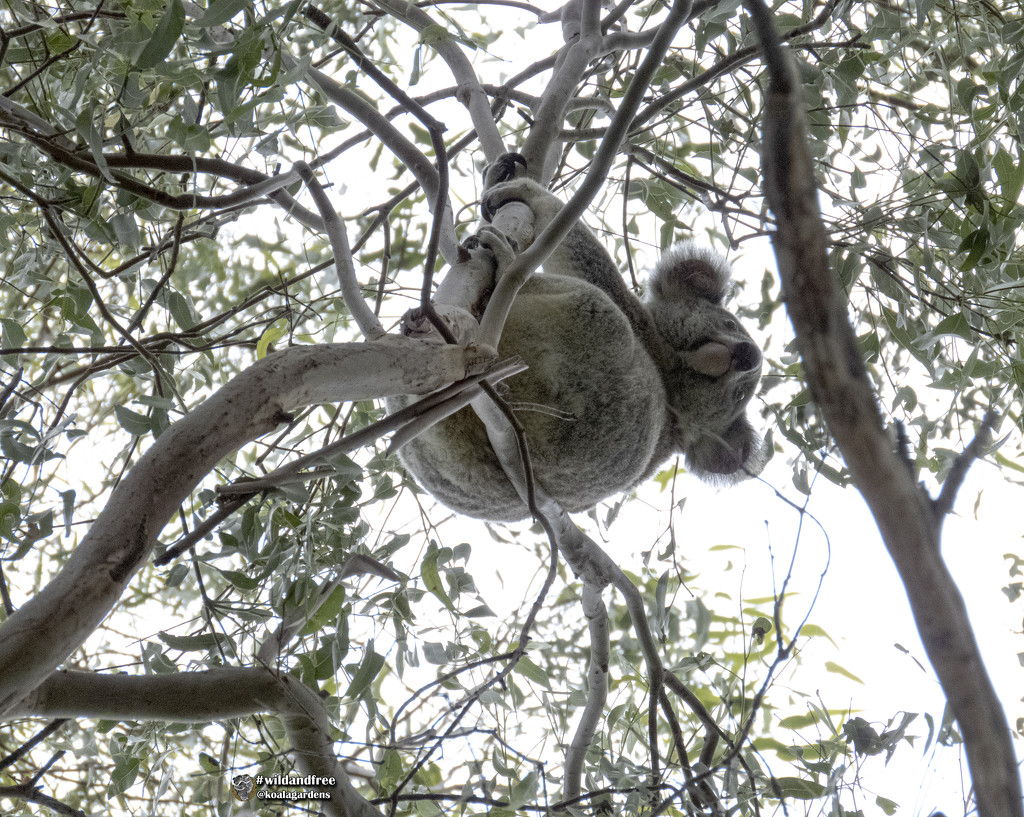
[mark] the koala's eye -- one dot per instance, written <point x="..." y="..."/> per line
<point x="730" y="325"/>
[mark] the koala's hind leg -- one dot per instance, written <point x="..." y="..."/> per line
<point x="462" y="295"/>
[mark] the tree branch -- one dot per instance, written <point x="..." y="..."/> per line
<point x="582" y="36"/>
<point x="411" y="156"/>
<point x="597" y="690"/>
<point x="58" y="619"/>
<point x="943" y="504"/>
<point x="367" y="322"/>
<point x="202" y="697"/>
<point x="843" y="392"/>
<point x="471" y="94"/>
<point x="505" y="291"/>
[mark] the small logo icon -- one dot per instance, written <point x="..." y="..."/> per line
<point x="242" y="786"/>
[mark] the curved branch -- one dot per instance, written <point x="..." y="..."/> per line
<point x="628" y="40"/>
<point x="58" y="619"/>
<point x="843" y="392"/>
<point x="202" y="697"/>
<point x="258" y="184"/>
<point x="471" y="94"/>
<point x="367" y="322"/>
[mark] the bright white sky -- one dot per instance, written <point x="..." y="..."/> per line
<point x="862" y="605"/>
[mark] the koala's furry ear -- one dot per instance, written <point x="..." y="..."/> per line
<point x="688" y="271"/>
<point x="734" y="455"/>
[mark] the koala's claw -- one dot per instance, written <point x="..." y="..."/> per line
<point x="504" y="169"/>
<point x="414" y="322"/>
<point x="505" y="193"/>
<point x="493" y="200"/>
<point x="496" y="243"/>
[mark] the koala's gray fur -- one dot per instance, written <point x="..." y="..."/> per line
<point x="615" y="385"/>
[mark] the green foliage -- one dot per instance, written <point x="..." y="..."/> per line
<point x="136" y="278"/>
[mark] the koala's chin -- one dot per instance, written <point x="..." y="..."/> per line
<point x="615" y="386"/>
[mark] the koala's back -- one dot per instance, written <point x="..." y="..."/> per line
<point x="592" y="402"/>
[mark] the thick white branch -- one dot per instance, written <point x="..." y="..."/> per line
<point x="58" y="619"/>
<point x="202" y="697"/>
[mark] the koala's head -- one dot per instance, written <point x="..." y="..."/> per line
<point x="716" y="366"/>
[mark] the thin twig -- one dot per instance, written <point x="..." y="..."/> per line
<point x="943" y="503"/>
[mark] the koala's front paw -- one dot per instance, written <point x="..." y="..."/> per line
<point x="544" y="204"/>
<point x="415" y="324"/>
<point x="504" y="169"/>
<point x="502" y="249"/>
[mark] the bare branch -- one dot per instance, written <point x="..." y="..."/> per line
<point x="31" y="793"/>
<point x="440" y="206"/>
<point x="257" y="184"/>
<point x="367" y="322"/>
<point x="628" y="40"/>
<point x="943" y="504"/>
<point x="843" y="392"/>
<point x="201" y="697"/>
<point x="405" y="422"/>
<point x="37" y="738"/>
<point x="470" y="93"/>
<point x="54" y="622"/>
<point x="597" y="691"/>
<point x="582" y="36"/>
<point x="411" y="156"/>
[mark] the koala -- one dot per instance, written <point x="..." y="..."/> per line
<point x="616" y="385"/>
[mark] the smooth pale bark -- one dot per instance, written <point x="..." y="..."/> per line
<point x="202" y="697"/>
<point x="40" y="635"/>
<point x="908" y="519"/>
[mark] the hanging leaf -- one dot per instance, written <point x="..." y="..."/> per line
<point x="166" y="34"/>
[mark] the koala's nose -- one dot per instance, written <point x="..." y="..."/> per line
<point x="746" y="357"/>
